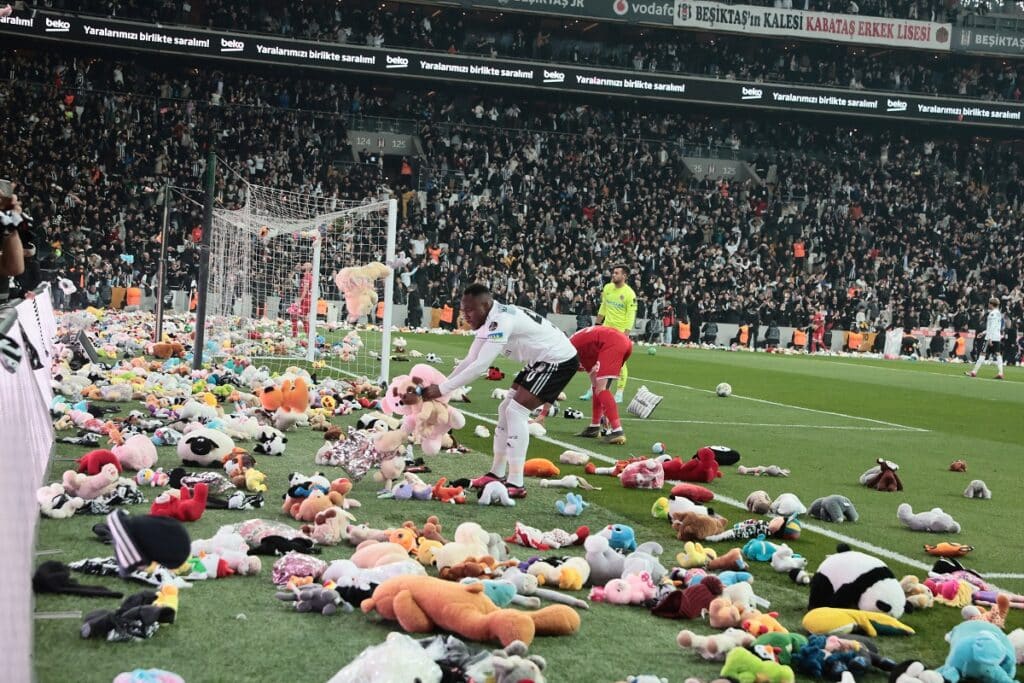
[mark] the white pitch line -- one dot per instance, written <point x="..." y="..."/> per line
<point x="787" y="405"/>
<point x="920" y="373"/>
<point x="764" y="424"/>
<point x="842" y="538"/>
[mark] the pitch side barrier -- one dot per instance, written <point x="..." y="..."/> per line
<point x="383" y="62"/>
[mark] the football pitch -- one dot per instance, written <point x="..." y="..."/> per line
<point x="825" y="419"/>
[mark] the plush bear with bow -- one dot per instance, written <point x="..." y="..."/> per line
<point x="426" y="421"/>
<point x="703" y="467"/>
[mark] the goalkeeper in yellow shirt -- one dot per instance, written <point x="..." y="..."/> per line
<point x="618" y="311"/>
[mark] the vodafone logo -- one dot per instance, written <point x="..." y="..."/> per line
<point x="620" y="7"/>
<point x="57" y="25"/>
<point x="396" y="63"/>
<point x="231" y="45"/>
<point x="751" y="94"/>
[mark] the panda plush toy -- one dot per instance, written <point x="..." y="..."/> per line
<point x="850" y="579"/>
<point x="270" y="441"/>
<point x="205" y="447"/>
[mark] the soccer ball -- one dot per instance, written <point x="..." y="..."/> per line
<point x="724" y="389"/>
<point x="658" y="448"/>
<point x="652" y="350"/>
<point x="433" y="358"/>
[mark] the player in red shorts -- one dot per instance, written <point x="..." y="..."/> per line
<point x="300" y="309"/>
<point x="603" y="351"/>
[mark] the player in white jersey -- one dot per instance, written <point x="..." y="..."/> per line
<point x="550" y="362"/>
<point x="993" y="339"/>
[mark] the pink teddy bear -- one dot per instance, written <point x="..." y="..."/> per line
<point x="635" y="589"/>
<point x="645" y="474"/>
<point x="426" y="421"/>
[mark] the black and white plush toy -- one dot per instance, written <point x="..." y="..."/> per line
<point x="204" y="447"/>
<point x="852" y="580"/>
<point x="724" y="455"/>
<point x="270" y="441"/>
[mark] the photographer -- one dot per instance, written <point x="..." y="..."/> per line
<point x="12" y="253"/>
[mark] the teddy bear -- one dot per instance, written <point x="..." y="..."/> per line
<point x="204" y="447"/>
<point x="427" y="422"/>
<point x="329" y="527"/>
<point x="935" y="520"/>
<point x="977" y="489"/>
<point x="422" y="603"/>
<point x="743" y="665"/>
<point x="635" y="589"/>
<point x="605" y="563"/>
<point x="511" y="665"/>
<point x="184" y="505"/>
<point x="787" y="505"/>
<point x="316" y="502"/>
<point x="645" y="474"/>
<point x="270" y="441"/>
<point x="314" y="598"/>
<point x="715" y="647"/>
<point x="371" y="554"/>
<point x="55" y="503"/>
<point x="390" y="470"/>
<point x="91" y="487"/>
<point x="980" y="651"/>
<point x="357" y="285"/>
<point x="566" y="573"/>
<point x="93" y="461"/>
<point x="448" y="494"/>
<point x="164" y="350"/>
<point x="693" y="492"/>
<point x="470" y="541"/>
<point x="572" y="506"/>
<point x="882" y="477"/>
<point x="758" y="502"/>
<point x="691" y="526"/>
<point x="833" y="508"/>
<point x="702" y="467"/>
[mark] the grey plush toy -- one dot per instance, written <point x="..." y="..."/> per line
<point x="315" y="598"/>
<point x="508" y="666"/>
<point x="977" y="489"/>
<point x="834" y="508"/>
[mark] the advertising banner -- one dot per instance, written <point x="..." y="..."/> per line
<point x="562" y="79"/>
<point x="639" y="12"/>
<point x="792" y="23"/>
<point x="988" y="41"/>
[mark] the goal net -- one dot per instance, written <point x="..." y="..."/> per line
<point x="271" y="293"/>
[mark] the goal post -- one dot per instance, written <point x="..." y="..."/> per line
<point x="258" y="268"/>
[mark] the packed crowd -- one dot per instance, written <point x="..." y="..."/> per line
<point x="654" y="50"/>
<point x="537" y="199"/>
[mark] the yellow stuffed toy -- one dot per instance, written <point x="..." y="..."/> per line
<point x="838" y="621"/>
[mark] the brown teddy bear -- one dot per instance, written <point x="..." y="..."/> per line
<point x="316" y="502"/>
<point x="473" y="567"/>
<point x="165" y="350"/>
<point x="693" y="526"/>
<point x="421" y="604"/>
<point x="431" y="529"/>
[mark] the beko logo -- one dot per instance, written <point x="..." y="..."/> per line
<point x="231" y="45"/>
<point x="895" y="105"/>
<point x="57" y="25"/>
<point x="396" y="63"/>
<point x="554" y="76"/>
<point x="751" y="94"/>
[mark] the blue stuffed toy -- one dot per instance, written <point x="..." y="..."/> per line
<point x="759" y="549"/>
<point x="572" y="506"/>
<point x="981" y="651"/>
<point x="620" y="537"/>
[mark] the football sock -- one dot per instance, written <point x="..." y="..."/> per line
<point x="518" y="441"/>
<point x="596" y="410"/>
<point x="620" y="385"/>
<point x="981" y="359"/>
<point x="999" y="363"/>
<point x="610" y="409"/>
<point x="500" y="461"/>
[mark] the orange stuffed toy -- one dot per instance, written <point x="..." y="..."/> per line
<point x="448" y="494"/>
<point x="540" y="467"/>
<point x="421" y="604"/>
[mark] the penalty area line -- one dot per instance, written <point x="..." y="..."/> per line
<point x="788" y="405"/>
<point x="828" y="533"/>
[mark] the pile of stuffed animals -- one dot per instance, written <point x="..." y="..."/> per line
<point x="503" y="587"/>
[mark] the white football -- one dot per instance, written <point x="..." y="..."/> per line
<point x="724" y="389"/>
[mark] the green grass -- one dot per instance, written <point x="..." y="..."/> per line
<point x="934" y="416"/>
